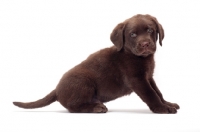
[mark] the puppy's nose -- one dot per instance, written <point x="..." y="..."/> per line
<point x="144" y="44"/>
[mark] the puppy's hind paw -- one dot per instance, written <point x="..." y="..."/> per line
<point x="100" y="108"/>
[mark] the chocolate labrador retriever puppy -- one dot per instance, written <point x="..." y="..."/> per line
<point x="113" y="72"/>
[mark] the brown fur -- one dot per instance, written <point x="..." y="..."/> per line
<point x="114" y="72"/>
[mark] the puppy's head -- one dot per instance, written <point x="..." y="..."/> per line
<point x="138" y="35"/>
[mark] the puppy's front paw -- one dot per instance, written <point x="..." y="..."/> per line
<point x="172" y="105"/>
<point x="164" y="109"/>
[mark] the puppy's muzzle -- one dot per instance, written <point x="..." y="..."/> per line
<point x="144" y="44"/>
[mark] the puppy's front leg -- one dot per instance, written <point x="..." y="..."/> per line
<point x="154" y="86"/>
<point x="144" y="90"/>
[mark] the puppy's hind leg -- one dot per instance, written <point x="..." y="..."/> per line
<point x="78" y="95"/>
<point x="87" y="104"/>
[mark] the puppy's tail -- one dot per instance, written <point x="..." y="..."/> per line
<point x="50" y="98"/>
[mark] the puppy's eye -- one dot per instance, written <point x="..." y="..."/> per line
<point x="150" y="30"/>
<point x="133" y="35"/>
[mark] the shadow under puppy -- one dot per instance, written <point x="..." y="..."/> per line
<point x="113" y="72"/>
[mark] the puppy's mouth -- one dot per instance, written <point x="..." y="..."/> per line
<point x="144" y="52"/>
<point x="147" y="51"/>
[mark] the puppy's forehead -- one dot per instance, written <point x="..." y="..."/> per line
<point x="140" y="22"/>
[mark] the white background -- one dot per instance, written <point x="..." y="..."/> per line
<point x="42" y="39"/>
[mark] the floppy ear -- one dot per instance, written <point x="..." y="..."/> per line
<point x="117" y="36"/>
<point x="161" y="33"/>
<point x="160" y="30"/>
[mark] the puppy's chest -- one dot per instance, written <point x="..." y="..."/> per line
<point x="140" y="69"/>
